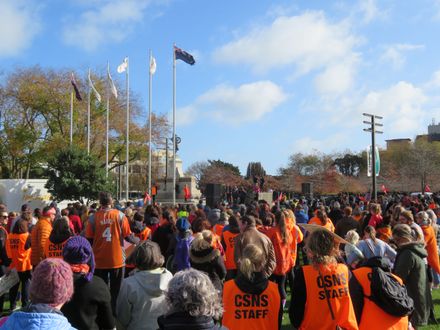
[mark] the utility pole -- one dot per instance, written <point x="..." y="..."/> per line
<point x="373" y="131"/>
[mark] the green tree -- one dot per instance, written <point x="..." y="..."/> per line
<point x="35" y="121"/>
<point x="255" y="169"/>
<point x="349" y="164"/>
<point x="74" y="175"/>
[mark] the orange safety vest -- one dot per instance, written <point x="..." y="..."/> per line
<point x="431" y="247"/>
<point x="218" y="229"/>
<point x="20" y="258"/>
<point x="144" y="234"/>
<point x="329" y="225"/>
<point x="384" y="233"/>
<point x="250" y="311"/>
<point x="229" y="239"/>
<point x="54" y="250"/>
<point x="317" y="314"/>
<point x="373" y="317"/>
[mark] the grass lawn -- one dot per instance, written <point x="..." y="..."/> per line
<point x="435" y="297"/>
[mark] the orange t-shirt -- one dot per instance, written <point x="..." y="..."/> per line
<point x="108" y="228"/>
<point x="20" y="258"/>
<point x="283" y="253"/>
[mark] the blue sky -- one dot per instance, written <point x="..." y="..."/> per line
<point x="271" y="77"/>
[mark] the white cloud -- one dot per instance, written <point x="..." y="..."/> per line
<point x="108" y="21"/>
<point x="224" y="103"/>
<point x="401" y="105"/>
<point x="307" y="41"/>
<point x="394" y="54"/>
<point x="326" y="144"/>
<point x="336" y="78"/>
<point x="19" y="24"/>
<point x="369" y="10"/>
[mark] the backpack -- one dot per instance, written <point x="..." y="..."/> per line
<point x="181" y="253"/>
<point x="389" y="294"/>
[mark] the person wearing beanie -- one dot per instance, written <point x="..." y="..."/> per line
<point x="221" y="223"/>
<point x="206" y="258"/>
<point x="90" y="306"/>
<point x="51" y="287"/>
<point x="142" y="297"/>
<point x="179" y="246"/>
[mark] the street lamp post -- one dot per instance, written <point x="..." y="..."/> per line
<point x="373" y="131"/>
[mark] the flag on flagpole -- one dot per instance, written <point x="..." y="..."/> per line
<point x="427" y="188"/>
<point x="152" y="65"/>
<point x="147" y="198"/>
<point x="184" y="56"/>
<point x="123" y="66"/>
<point x="75" y="87"/>
<point x="97" y="95"/>
<point x="112" y="84"/>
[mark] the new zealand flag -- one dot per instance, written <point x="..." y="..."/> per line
<point x="184" y="56"/>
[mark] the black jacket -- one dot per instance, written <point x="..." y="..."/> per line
<point x="210" y="262"/>
<point x="90" y="306"/>
<point x="184" y="321"/>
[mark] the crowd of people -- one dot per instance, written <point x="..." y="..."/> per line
<point x="233" y="266"/>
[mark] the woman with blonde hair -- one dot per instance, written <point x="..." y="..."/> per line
<point x="371" y="246"/>
<point x="206" y="258"/>
<point x="321" y="298"/>
<point x="251" y="300"/>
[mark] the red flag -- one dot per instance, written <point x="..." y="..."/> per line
<point x="147" y="197"/>
<point x="280" y="196"/>
<point x="384" y="189"/>
<point x="427" y="188"/>
<point x="187" y="192"/>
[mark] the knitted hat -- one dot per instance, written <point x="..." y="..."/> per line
<point x="79" y="251"/>
<point x="183" y="224"/>
<point x="52" y="283"/>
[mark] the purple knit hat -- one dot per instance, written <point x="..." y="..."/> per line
<point x="52" y="283"/>
<point x="78" y="250"/>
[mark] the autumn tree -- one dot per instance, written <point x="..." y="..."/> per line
<point x="35" y="121"/>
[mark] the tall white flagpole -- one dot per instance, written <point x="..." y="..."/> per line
<point x="107" y="119"/>
<point x="174" y="126"/>
<point x="88" y="116"/>
<point x="71" y="118"/>
<point x="149" y="124"/>
<point x="128" y="127"/>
